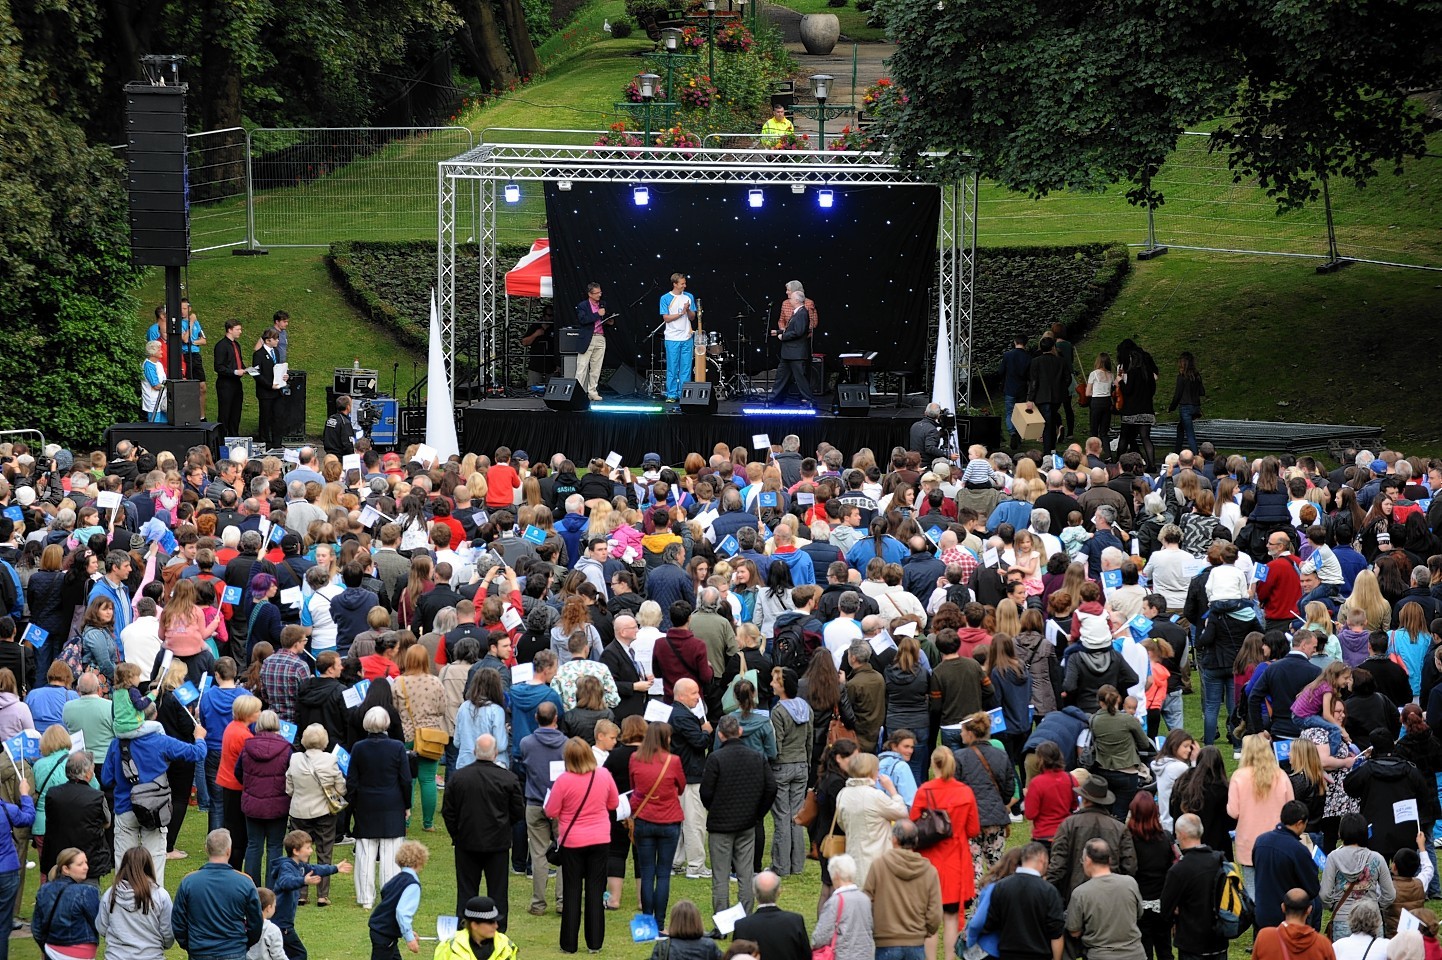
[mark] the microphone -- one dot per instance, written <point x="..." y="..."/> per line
<point x="743" y="297"/>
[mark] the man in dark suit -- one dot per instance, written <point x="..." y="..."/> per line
<point x="266" y="393"/>
<point x="632" y="682"/>
<point x="482" y="801"/>
<point x="229" y="369"/>
<point x="780" y="934"/>
<point x="794" y="340"/>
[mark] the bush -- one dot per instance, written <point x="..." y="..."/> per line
<point x="621" y="29"/>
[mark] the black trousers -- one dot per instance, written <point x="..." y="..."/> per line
<point x="235" y="823"/>
<point x="792" y="371"/>
<point x="228" y="399"/>
<point x="471" y="867"/>
<point x="294" y="949"/>
<point x="182" y="779"/>
<point x="268" y="431"/>
<point x="583" y="865"/>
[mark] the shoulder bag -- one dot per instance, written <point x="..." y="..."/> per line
<point x="828" y="952"/>
<point x="833" y="844"/>
<point x="334" y="799"/>
<point x="810" y="807"/>
<point x="837" y="729"/>
<point x="430" y="742"/>
<point x="1346" y="895"/>
<point x="553" y="852"/>
<point x="933" y="826"/>
<point x="631" y="820"/>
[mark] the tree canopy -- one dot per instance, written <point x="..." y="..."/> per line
<point x="1044" y="95"/>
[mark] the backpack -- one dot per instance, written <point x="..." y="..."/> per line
<point x="793" y="646"/>
<point x="151" y="801"/>
<point x="1235" y="910"/>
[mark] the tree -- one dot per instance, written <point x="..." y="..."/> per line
<point x="1056" y="94"/>
<point x="70" y="364"/>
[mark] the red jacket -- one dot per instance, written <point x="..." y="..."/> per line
<point x="1281" y="593"/>
<point x="665" y="804"/>
<point x="678" y="655"/>
<point x="971" y="638"/>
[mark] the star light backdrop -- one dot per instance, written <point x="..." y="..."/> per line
<point x="869" y="263"/>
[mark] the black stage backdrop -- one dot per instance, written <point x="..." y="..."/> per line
<point x="869" y="263"/>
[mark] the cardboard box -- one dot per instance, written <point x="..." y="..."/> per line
<point x="1028" y="424"/>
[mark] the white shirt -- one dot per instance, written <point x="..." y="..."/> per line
<point x="460" y="567"/>
<point x="838" y="636"/>
<point x="322" y="624"/>
<point x="679" y="329"/>
<point x="141" y="640"/>
<point x="1167" y="569"/>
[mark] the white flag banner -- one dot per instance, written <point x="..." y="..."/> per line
<point x="943" y="383"/>
<point x="440" y="413"/>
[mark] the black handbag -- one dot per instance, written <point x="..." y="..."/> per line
<point x="553" y="852"/>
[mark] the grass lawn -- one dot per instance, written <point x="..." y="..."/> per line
<point x="1267" y="335"/>
<point x="339" y="932"/>
<point x="325" y="332"/>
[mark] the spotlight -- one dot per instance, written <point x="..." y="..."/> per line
<point x="564" y="186"/>
<point x="755" y="198"/>
<point x="641" y="194"/>
<point x="513" y="193"/>
<point x="798" y="188"/>
<point x="825" y="198"/>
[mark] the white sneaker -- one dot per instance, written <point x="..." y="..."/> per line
<point x="1017" y="818"/>
<point x="1236" y="754"/>
<point x="702" y="874"/>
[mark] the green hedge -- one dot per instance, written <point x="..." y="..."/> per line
<point x="1018" y="289"/>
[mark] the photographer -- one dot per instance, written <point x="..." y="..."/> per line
<point x="338" y="438"/>
<point x="930" y="435"/>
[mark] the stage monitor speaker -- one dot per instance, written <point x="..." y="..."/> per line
<point x="563" y="393"/>
<point x="185" y="407"/>
<point x="853" y="400"/>
<point x="290" y="410"/>
<point x="156" y="174"/>
<point x="625" y="381"/>
<point x="698" y="397"/>
<point x="175" y="439"/>
<point x="817" y="369"/>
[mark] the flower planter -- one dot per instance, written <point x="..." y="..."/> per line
<point x="819" y="33"/>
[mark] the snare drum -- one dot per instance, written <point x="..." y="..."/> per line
<point x="714" y="346"/>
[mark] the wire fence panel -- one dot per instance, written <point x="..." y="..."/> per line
<point x="314" y="186"/>
<point x="215" y="178"/>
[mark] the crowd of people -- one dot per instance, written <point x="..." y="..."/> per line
<point x="726" y="669"/>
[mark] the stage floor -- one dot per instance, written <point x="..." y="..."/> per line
<point x="617" y="427"/>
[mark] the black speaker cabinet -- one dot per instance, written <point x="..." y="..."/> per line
<point x="573" y="339"/>
<point x="625" y="381"/>
<point x="156" y="437"/>
<point x="156" y="176"/>
<point x="290" y="410"/>
<point x="185" y="406"/>
<point x="697" y="397"/>
<point x="564" y="393"/>
<point x="853" y="399"/>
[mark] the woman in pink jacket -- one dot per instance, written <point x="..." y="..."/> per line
<point x="581" y="802"/>
<point x="1255" y="797"/>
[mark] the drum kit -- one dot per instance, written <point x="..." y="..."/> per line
<point x="723" y="365"/>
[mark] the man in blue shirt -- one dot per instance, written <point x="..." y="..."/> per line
<point x="112" y="587"/>
<point x="217" y="911"/>
<point x="677" y="309"/>
<point x="1015" y="369"/>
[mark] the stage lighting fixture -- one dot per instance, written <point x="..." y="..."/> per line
<point x="513" y="193"/>
<point x="798" y="188"/>
<point x="778" y="411"/>
<point x="627" y="408"/>
<point x="563" y="185"/>
<point x="755" y="198"/>
<point x="641" y="194"/>
<point x="825" y="198"/>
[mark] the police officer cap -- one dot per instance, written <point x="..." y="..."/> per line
<point x="482" y="909"/>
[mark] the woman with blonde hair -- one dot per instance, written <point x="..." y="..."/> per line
<point x="1255" y="795"/>
<point x="420" y="699"/>
<point x="1367" y="597"/>
<point x="183" y="625"/>
<point x="952" y="856"/>
<point x="1008" y="617"/>
<point x="865" y="814"/>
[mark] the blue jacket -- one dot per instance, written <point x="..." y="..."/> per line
<point x="525" y="698"/>
<point x="572" y="528"/>
<point x="537" y="752"/>
<point x="64" y="914"/>
<point x="1015" y="367"/>
<point x="1061" y="727"/>
<point x="153" y="754"/>
<point x="286" y="880"/>
<point x="802" y="570"/>
<point x="1015" y="512"/>
<point x="216" y="713"/>
<point x="667" y="584"/>
<point x="727" y="524"/>
<point x="121" y="598"/>
<point x="349" y="610"/>
<point x="1014" y="691"/>
<point x="1281" y="863"/>
<point x="892" y="551"/>
<point x="1276" y="688"/>
<point x="217" y="913"/>
<point x="22" y="815"/>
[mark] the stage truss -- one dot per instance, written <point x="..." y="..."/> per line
<point x="482" y="172"/>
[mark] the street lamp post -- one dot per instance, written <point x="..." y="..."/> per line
<point x="821" y="89"/>
<point x="670" y="43"/>
<point x="647" y="84"/>
<point x="711" y="39"/>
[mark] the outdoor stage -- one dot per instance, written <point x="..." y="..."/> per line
<point x="528" y="425"/>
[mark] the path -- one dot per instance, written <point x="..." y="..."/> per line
<point x="870" y="66"/>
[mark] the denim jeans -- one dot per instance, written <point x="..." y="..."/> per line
<point x="678" y="367"/>
<point x="951" y="740"/>
<point x="216" y="813"/>
<point x="900" y="953"/>
<point x="655" y="848"/>
<point x="1334" y="732"/>
<point x="9" y="887"/>
<point x="1322" y="592"/>
<point x="1007" y="404"/>
<point x="1187" y="428"/>
<point x="1049" y="414"/>
<point x="1172" y="710"/>
<point x="263" y="837"/>
<point x="202" y="786"/>
<point x="1217" y="687"/>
